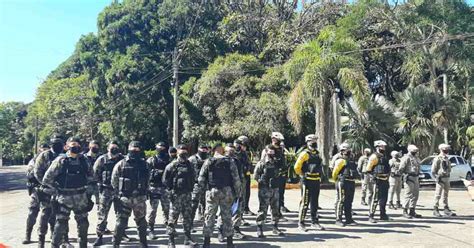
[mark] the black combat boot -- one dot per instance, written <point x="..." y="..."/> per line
<point x="66" y="241"/>
<point x="171" y="243"/>
<point x="302" y="227"/>
<point x="277" y="231"/>
<point x="414" y="214"/>
<point x="98" y="241"/>
<point x="230" y="242"/>
<point x="220" y="236"/>
<point x="151" y="231"/>
<point x="391" y="206"/>
<point x="406" y="214"/>
<point x="238" y="234"/>
<point x="317" y="226"/>
<point x="27" y="239"/>
<point x="372" y="219"/>
<point x="207" y="242"/>
<point x="399" y="205"/>
<point x="260" y="231"/>
<point x="448" y="212"/>
<point x="188" y="240"/>
<point x="436" y="212"/>
<point x="41" y="240"/>
<point x="363" y="203"/>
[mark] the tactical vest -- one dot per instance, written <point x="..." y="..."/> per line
<point x="349" y="172"/>
<point x="73" y="173"/>
<point x="382" y="168"/>
<point x="312" y="168"/>
<point x="197" y="164"/>
<point x="183" y="181"/>
<point x="133" y="178"/>
<point x="157" y="170"/>
<point x="220" y="174"/>
<point x="270" y="173"/>
<point x="109" y="165"/>
<point x="280" y="162"/>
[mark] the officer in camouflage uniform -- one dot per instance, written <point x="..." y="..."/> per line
<point x="344" y="174"/>
<point x="157" y="192"/>
<point x="367" y="182"/>
<point x="68" y="175"/>
<point x="309" y="167"/>
<point x="219" y="177"/>
<point x="410" y="169"/>
<point x="379" y="169"/>
<point x="42" y="163"/>
<point x="172" y="151"/>
<point x="92" y="155"/>
<point x="395" y="179"/>
<point x="34" y="204"/>
<point x="130" y="178"/>
<point x="266" y="174"/>
<point x="244" y="156"/>
<point x="179" y="181"/>
<point x="197" y="160"/>
<point x="241" y="160"/>
<point x="103" y="168"/>
<point x="441" y="171"/>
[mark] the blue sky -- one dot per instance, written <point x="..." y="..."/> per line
<point x="37" y="35"/>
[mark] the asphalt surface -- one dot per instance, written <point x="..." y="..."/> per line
<point x="398" y="232"/>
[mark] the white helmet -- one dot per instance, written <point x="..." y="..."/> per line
<point x="245" y="140"/>
<point x="444" y="147"/>
<point x="379" y="143"/>
<point x="367" y="150"/>
<point x="311" y="137"/>
<point x="344" y="146"/>
<point x="394" y="154"/>
<point x="278" y="136"/>
<point x="412" y="148"/>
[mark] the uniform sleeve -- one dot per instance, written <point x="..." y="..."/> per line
<point x="167" y="176"/>
<point x="360" y="164"/>
<point x="116" y="175"/>
<point x="338" y="166"/>
<point x="435" y="166"/>
<point x="52" y="173"/>
<point x="403" y="165"/>
<point x="373" y="161"/>
<point x="302" y="158"/>
<point x="97" y="169"/>
<point x="40" y="167"/>
<point x="258" y="171"/>
<point x="235" y="178"/>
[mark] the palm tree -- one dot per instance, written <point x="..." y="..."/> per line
<point x="317" y="71"/>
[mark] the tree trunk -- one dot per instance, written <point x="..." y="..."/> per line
<point x="325" y="130"/>
<point x="337" y="119"/>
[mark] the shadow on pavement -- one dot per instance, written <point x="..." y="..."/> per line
<point x="12" y="180"/>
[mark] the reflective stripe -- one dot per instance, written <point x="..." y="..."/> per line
<point x="313" y="178"/>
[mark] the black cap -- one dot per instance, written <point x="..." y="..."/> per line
<point x="74" y="139"/>
<point x="113" y="142"/>
<point x="44" y="146"/>
<point x="172" y="150"/>
<point x="161" y="143"/>
<point x="238" y="142"/>
<point x="56" y="139"/>
<point x="135" y="144"/>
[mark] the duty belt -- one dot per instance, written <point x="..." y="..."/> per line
<point x="71" y="191"/>
<point x="382" y="176"/>
<point x="312" y="176"/>
<point x="413" y="174"/>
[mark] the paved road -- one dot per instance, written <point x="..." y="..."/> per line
<point x="399" y="232"/>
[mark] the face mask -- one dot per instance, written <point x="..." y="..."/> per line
<point x="57" y="147"/>
<point x="183" y="155"/>
<point x="347" y="154"/>
<point x="173" y="155"/>
<point x="95" y="149"/>
<point x="381" y="150"/>
<point x="75" y="149"/>
<point x="277" y="142"/>
<point x="446" y="152"/>
<point x="313" y="145"/>
<point x="114" y="151"/>
<point x="203" y="155"/>
<point x="412" y="153"/>
<point x="134" y="154"/>
<point x="238" y="148"/>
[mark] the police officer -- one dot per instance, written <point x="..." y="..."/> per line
<point x="342" y="148"/>
<point x="345" y="174"/>
<point x="410" y="168"/>
<point x="379" y="169"/>
<point x="244" y="156"/>
<point x="102" y="169"/>
<point x="179" y="180"/>
<point x="34" y="204"/>
<point x="441" y="171"/>
<point x="267" y="175"/>
<point x="172" y="151"/>
<point x="234" y="151"/>
<point x="157" y="192"/>
<point x="42" y="163"/>
<point x="367" y="183"/>
<point x="92" y="155"/>
<point x="130" y="178"/>
<point x="309" y="167"/>
<point x="68" y="176"/>
<point x="395" y="179"/>
<point x="197" y="160"/>
<point x="219" y="177"/>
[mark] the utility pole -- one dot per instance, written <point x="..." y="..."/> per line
<point x="175" y="99"/>
<point x="36" y="136"/>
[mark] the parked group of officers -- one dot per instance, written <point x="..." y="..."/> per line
<point x="62" y="179"/>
